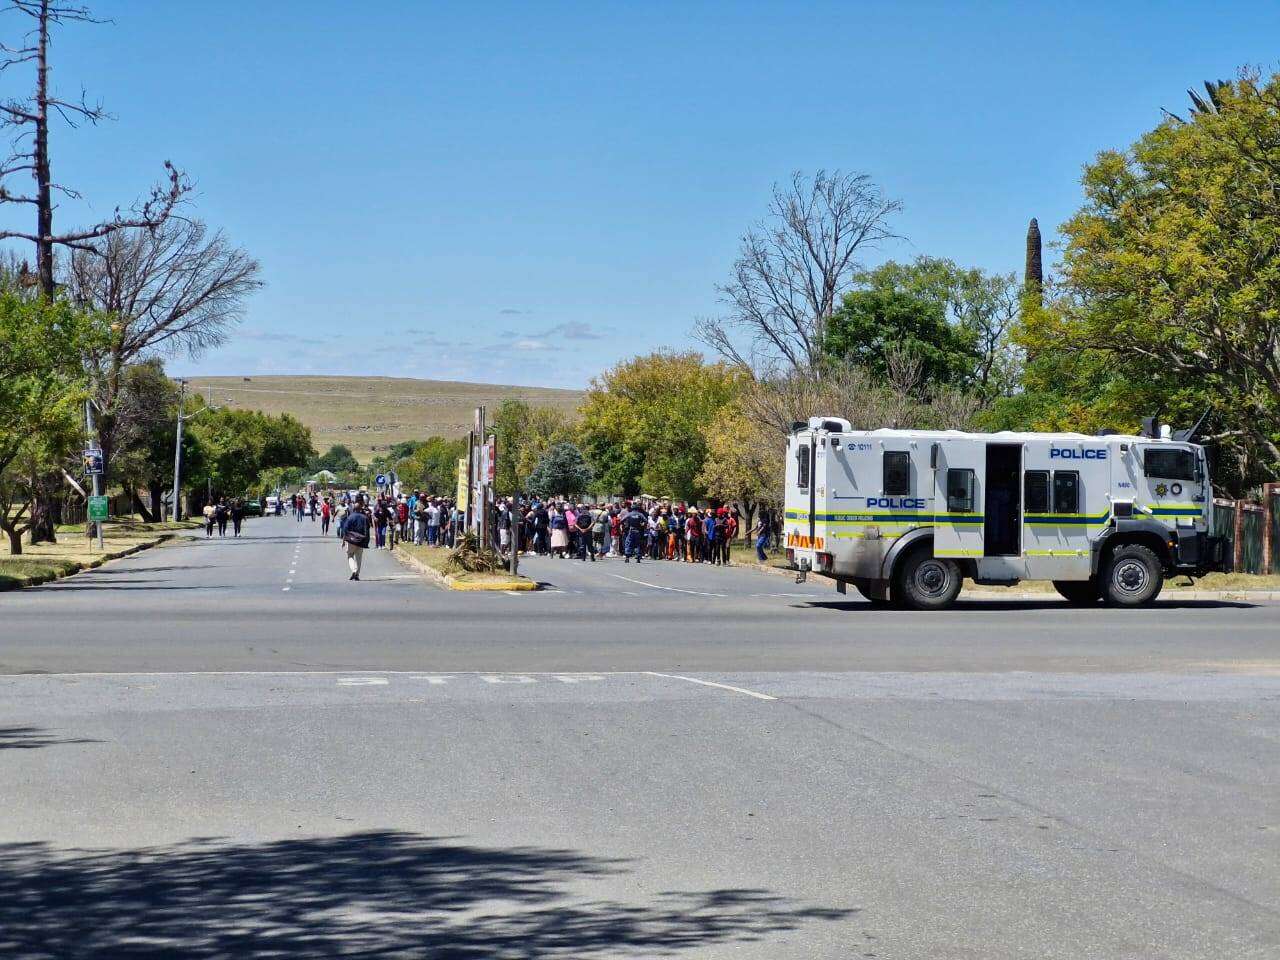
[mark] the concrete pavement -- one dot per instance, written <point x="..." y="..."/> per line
<point x="662" y="760"/>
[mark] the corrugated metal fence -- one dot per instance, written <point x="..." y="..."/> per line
<point x="1251" y="530"/>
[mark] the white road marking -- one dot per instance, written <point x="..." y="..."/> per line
<point x="658" y="586"/>
<point x="517" y="678"/>
<point x="284" y="589"/>
<point x="712" y="683"/>
<point x="363" y="681"/>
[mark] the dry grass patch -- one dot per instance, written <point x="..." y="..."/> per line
<point x="74" y="551"/>
<point x="369" y="414"/>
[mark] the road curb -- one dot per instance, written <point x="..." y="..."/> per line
<point x="451" y="583"/>
<point x="80" y="566"/>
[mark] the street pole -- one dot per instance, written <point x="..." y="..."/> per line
<point x="89" y="429"/>
<point x="477" y="484"/>
<point x="177" y="452"/>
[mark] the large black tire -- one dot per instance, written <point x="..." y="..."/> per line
<point x="1133" y="576"/>
<point x="925" y="582"/>
<point x="1080" y="592"/>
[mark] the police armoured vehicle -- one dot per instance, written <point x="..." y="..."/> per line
<point x="906" y="515"/>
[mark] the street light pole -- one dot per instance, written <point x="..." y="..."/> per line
<point x="177" y="452"/>
<point x="97" y="479"/>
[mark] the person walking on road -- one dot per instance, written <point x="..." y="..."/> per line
<point x="326" y="514"/>
<point x="222" y="513"/>
<point x="761" y="531"/>
<point x="210" y="512"/>
<point x="237" y="515"/>
<point x="355" y="537"/>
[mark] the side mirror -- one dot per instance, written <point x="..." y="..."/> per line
<point x="933" y="455"/>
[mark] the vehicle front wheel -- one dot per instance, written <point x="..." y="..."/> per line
<point x="1079" y="591"/>
<point x="925" y="582"/>
<point x="1133" y="577"/>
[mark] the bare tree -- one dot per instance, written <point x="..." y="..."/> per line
<point x="792" y="269"/>
<point x="846" y="390"/>
<point x="29" y="118"/>
<point x="177" y="288"/>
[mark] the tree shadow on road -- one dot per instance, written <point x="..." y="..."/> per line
<point x="32" y="738"/>
<point x="383" y="894"/>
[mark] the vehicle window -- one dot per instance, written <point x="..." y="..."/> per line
<point x="1169" y="464"/>
<point x="897" y="473"/>
<point x="802" y="466"/>
<point x="1036" y="495"/>
<point x="1066" y="491"/>
<point x="960" y="485"/>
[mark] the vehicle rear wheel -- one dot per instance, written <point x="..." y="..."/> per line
<point x="1133" y="577"/>
<point x="1079" y="591"/>
<point x="926" y="582"/>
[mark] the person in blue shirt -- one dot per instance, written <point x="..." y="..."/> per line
<point x="709" y="536"/>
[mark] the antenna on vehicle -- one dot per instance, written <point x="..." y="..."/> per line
<point x="1189" y="436"/>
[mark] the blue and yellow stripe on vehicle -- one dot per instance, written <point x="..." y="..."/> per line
<point x="1176" y="509"/>
<point x="1067" y="519"/>
<point x="861" y="517"/>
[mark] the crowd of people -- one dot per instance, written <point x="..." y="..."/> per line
<point x="218" y="514"/>
<point x="635" y="531"/>
<point x="558" y="528"/>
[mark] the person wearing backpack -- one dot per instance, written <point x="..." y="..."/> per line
<point x="586" y="534"/>
<point x="599" y="529"/>
<point x="355" y="537"/>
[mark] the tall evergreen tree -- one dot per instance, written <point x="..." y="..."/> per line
<point x="1034" y="275"/>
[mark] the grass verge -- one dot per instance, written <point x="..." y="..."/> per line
<point x="435" y="558"/>
<point x="74" y="552"/>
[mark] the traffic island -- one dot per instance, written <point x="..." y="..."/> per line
<point x="431" y="563"/>
<point x="74" y="552"/>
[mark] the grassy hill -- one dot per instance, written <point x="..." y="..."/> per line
<point x="368" y="414"/>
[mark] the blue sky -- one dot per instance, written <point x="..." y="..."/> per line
<point x="528" y="192"/>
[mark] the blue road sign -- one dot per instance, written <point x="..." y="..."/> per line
<point x="380" y="480"/>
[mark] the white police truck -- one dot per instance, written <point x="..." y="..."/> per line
<point x="906" y="515"/>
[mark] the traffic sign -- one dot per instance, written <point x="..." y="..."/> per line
<point x="97" y="508"/>
<point x="380" y="479"/>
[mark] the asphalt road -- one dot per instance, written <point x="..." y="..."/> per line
<point x="228" y="749"/>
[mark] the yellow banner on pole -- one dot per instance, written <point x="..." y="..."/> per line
<point x="464" y="485"/>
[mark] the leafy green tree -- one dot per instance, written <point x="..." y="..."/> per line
<point x="524" y="433"/>
<point x="433" y="466"/>
<point x="146" y="405"/>
<point x="238" y="445"/>
<point x="562" y="471"/>
<point x="642" y="422"/>
<point x="42" y="390"/>
<point x="1169" y="300"/>
<point x="337" y="459"/>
